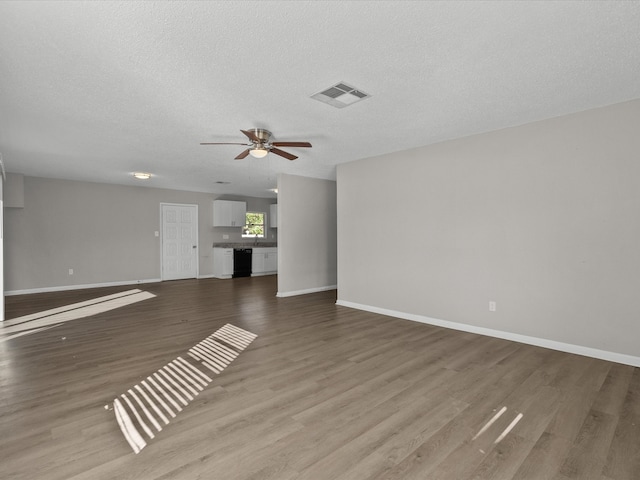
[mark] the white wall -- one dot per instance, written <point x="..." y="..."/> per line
<point x="306" y="235"/>
<point x="543" y="219"/>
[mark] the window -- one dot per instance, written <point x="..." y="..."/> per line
<point x="254" y="225"/>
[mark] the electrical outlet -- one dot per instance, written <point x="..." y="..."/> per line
<point x="225" y="237"/>
<point x="492" y="306"/>
<point x="71" y="271"/>
<point x="156" y="233"/>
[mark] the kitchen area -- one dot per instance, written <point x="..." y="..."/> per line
<point x="248" y="244"/>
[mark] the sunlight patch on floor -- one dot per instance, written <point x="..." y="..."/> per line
<point x="147" y="406"/>
<point x="492" y="420"/>
<point x="37" y="322"/>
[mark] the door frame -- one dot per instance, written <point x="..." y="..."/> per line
<point x="173" y="204"/>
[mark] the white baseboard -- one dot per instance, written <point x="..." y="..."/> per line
<point x="539" y="342"/>
<point x="262" y="274"/>
<point x="80" y="287"/>
<point x="308" y="290"/>
<point x="211" y="275"/>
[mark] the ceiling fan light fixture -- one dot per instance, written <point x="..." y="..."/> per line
<point x="262" y="144"/>
<point x="258" y="152"/>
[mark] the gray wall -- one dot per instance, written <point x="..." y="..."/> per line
<point x="14" y="191"/>
<point x="543" y="219"/>
<point x="307" y="235"/>
<point x="104" y="232"/>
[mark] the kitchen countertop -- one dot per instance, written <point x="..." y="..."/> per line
<point x="245" y="245"/>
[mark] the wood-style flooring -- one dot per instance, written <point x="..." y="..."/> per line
<point x="324" y="392"/>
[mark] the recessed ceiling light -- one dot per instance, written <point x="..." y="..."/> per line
<point x="142" y="175"/>
<point x="274" y="190"/>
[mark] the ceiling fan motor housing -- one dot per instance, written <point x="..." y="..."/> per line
<point x="263" y="135"/>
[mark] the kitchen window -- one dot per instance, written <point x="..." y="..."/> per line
<point x="254" y="225"/>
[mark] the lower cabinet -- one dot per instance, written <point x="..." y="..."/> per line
<point x="223" y="262"/>
<point x="257" y="261"/>
<point x="264" y="261"/>
<point x="271" y="261"/>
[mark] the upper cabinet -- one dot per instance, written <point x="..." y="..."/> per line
<point x="229" y="213"/>
<point x="273" y="215"/>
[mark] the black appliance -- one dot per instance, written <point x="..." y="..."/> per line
<point x="242" y="262"/>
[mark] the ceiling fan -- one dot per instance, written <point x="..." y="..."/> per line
<point x="261" y="144"/>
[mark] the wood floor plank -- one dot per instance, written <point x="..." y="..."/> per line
<point x="545" y="458"/>
<point x="455" y="436"/>
<point x="388" y="434"/>
<point x="503" y="460"/>
<point x="587" y="456"/>
<point x="623" y="458"/>
<point x="324" y="392"/>
<point x="612" y="394"/>
<point x="390" y="442"/>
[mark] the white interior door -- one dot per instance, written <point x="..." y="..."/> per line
<point x="179" y="241"/>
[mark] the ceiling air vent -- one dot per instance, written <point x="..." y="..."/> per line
<point x="340" y="95"/>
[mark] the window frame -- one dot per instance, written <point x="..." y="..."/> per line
<point x="248" y="225"/>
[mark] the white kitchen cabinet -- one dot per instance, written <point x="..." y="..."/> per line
<point x="223" y="262"/>
<point x="229" y="213"/>
<point x="257" y="262"/>
<point x="264" y="261"/>
<point x="273" y="215"/>
<point x="271" y="261"/>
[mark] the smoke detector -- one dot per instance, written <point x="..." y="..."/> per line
<point x="340" y="95"/>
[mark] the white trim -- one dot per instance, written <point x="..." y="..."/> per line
<point x="210" y="275"/>
<point x="262" y="274"/>
<point x="2" y="171"/>
<point x="539" y="342"/>
<point x="80" y="287"/>
<point x="308" y="290"/>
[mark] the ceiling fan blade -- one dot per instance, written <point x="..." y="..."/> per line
<point x="291" y="144"/>
<point x="252" y="136"/>
<point x="282" y="153"/>
<point x="243" y="154"/>
<point x="224" y="144"/>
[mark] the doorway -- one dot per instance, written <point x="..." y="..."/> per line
<point x="179" y="241"/>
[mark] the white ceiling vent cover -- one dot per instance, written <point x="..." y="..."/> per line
<point x="340" y="95"/>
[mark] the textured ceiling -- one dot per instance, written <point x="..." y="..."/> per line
<point x="96" y="90"/>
